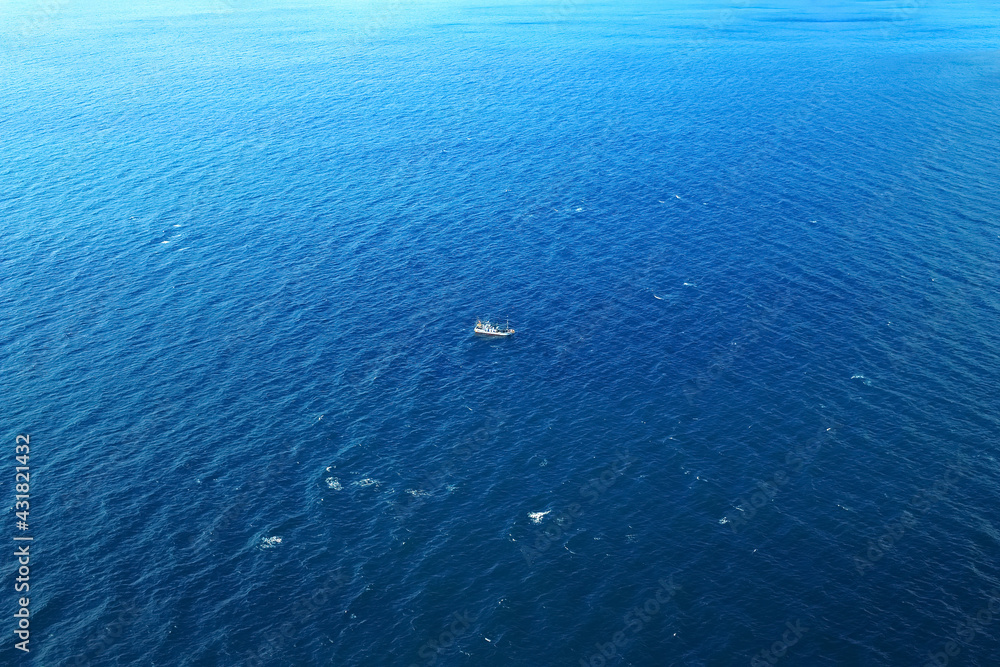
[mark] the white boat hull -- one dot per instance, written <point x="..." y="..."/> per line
<point x="493" y="333"/>
<point x="487" y="328"/>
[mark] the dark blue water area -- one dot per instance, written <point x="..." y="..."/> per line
<point x="749" y="415"/>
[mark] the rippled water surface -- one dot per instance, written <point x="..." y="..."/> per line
<point x="749" y="415"/>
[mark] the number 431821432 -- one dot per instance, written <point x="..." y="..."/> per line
<point x="21" y="456"/>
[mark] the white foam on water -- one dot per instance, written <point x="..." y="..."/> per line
<point x="536" y="517"/>
<point x="270" y="542"/>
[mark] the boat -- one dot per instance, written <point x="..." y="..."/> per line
<point x="487" y="328"/>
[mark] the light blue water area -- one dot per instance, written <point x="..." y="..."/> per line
<point x="750" y="252"/>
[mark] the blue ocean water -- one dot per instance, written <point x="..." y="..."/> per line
<point x="749" y="415"/>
